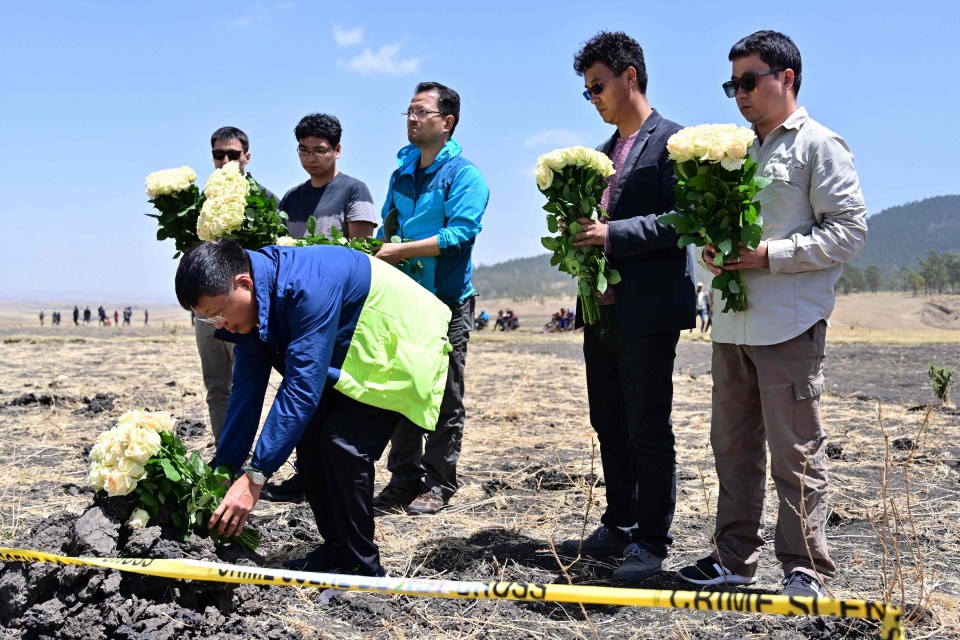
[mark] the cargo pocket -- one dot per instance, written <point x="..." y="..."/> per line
<point x="806" y="408"/>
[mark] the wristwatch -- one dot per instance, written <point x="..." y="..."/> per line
<point x="256" y="476"/>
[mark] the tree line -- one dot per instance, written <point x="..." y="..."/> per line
<point x="938" y="273"/>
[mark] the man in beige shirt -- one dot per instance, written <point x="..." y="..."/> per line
<point x="768" y="360"/>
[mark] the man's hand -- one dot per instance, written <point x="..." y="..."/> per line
<point x="594" y="232"/>
<point x="390" y="252"/>
<point x="231" y="516"/>
<point x="748" y="259"/>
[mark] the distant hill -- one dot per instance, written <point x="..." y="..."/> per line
<point x="899" y="235"/>
<point x="523" y="279"/>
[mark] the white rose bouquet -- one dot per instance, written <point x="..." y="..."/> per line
<point x="715" y="191"/>
<point x="173" y="193"/>
<point x="231" y="205"/>
<point x="573" y="180"/>
<point x="143" y="456"/>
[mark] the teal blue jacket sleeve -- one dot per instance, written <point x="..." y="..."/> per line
<point x="387" y="205"/>
<point x="251" y="373"/>
<point x="463" y="210"/>
<point x="313" y="316"/>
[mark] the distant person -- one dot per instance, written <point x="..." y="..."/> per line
<point x="101" y="316"/>
<point x="146" y="317"/>
<point x="116" y="317"/>
<point x="709" y="309"/>
<point x="333" y="198"/>
<point x="702" y="312"/>
<point x="227" y="144"/>
<point x="300" y="311"/>
<point x="76" y="315"/>
<point x="482" y="320"/>
<point x="768" y="360"/>
<point x="436" y="199"/>
<point x="41" y="317"/>
<point x="501" y="322"/>
<point x="55" y="319"/>
<point x="127" y="314"/>
<point x="87" y="315"/>
<point x="629" y="353"/>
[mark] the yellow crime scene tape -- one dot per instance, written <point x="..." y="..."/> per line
<point x="889" y="615"/>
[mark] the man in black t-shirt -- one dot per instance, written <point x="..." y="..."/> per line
<point x="333" y="198"/>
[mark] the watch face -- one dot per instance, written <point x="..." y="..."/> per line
<point x="256" y="477"/>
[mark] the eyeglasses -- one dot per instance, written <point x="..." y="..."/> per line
<point x="747" y="82"/>
<point x="216" y="318"/>
<point x="316" y="153"/>
<point x="597" y="88"/>
<point x="233" y="154"/>
<point x="419" y="114"/>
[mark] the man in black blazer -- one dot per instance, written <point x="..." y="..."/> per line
<point x="629" y="353"/>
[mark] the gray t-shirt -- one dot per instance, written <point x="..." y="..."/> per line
<point x="343" y="199"/>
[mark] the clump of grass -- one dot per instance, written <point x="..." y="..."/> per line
<point x="942" y="379"/>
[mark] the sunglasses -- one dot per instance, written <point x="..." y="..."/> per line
<point x="747" y="82"/>
<point x="220" y="154"/>
<point x="597" y="88"/>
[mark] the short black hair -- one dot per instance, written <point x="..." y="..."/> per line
<point x="319" y="125"/>
<point x="225" y="134"/>
<point x="615" y="49"/>
<point x="776" y="50"/>
<point x="448" y="100"/>
<point x="208" y="270"/>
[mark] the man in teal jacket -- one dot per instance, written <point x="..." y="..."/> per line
<point x="435" y="202"/>
<point x="358" y="345"/>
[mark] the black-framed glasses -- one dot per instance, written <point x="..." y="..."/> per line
<point x="747" y="82"/>
<point x="316" y="153"/>
<point x="232" y="154"/>
<point x="419" y="114"/>
<point x="597" y="87"/>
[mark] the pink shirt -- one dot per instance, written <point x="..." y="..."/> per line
<point x="621" y="149"/>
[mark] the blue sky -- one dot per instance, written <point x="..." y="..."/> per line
<point x="99" y="94"/>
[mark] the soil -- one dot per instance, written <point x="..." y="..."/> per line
<point x="531" y="478"/>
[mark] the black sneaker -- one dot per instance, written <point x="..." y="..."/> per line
<point x="709" y="571"/>
<point x="803" y="585"/>
<point x="324" y="559"/>
<point x="393" y="498"/>
<point x="603" y="542"/>
<point x="293" y="489"/>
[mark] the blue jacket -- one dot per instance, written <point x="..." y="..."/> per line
<point x="331" y="319"/>
<point x="446" y="200"/>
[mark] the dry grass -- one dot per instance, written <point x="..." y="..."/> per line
<point x="530" y="470"/>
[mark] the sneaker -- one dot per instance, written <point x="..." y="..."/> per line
<point x="393" y="497"/>
<point x="427" y="503"/>
<point x="293" y="489"/>
<point x="324" y="559"/>
<point x="638" y="563"/>
<point x="802" y="584"/>
<point x="709" y="571"/>
<point x="603" y="542"/>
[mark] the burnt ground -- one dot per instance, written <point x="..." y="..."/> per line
<point x="531" y="478"/>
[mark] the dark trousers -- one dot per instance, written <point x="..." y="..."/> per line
<point x="435" y="463"/>
<point x="630" y="389"/>
<point x="336" y="455"/>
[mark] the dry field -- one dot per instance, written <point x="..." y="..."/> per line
<point x="530" y="477"/>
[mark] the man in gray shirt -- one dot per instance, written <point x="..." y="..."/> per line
<point x="333" y="198"/>
<point x="768" y="360"/>
<point x="228" y="144"/>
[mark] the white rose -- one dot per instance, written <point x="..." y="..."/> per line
<point x="141" y="444"/>
<point x="138" y="519"/>
<point x="286" y="241"/>
<point x="118" y="484"/>
<point x="544" y="176"/>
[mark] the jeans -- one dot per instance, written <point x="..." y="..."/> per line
<point x="630" y="390"/>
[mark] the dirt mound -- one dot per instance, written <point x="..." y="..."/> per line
<point x="941" y="313"/>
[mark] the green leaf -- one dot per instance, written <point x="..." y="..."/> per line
<point x="148" y="499"/>
<point x="552" y="225"/>
<point x="725" y="246"/>
<point x="751" y="236"/>
<point x="613" y="277"/>
<point x="601" y="282"/>
<point x="549" y="243"/>
<point x="574" y="228"/>
<point x="733" y="286"/>
<point x="169" y="471"/>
